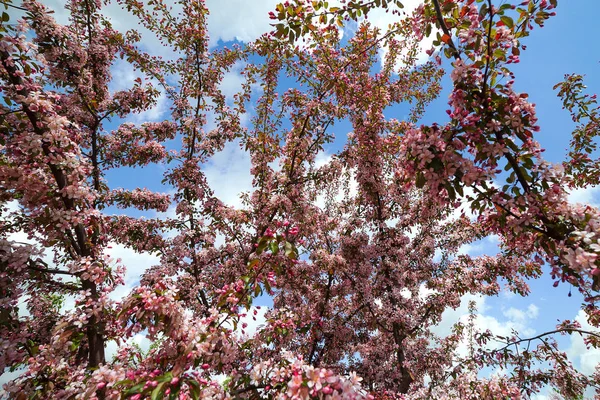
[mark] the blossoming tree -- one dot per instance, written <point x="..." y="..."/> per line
<point x="358" y="252"/>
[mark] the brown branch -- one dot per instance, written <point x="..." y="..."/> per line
<point x="489" y="53"/>
<point x="13" y="6"/>
<point x="247" y="389"/>
<point x="32" y="265"/>
<point x="440" y="18"/>
<point x="321" y="315"/>
<point x="94" y="329"/>
<point x="542" y="335"/>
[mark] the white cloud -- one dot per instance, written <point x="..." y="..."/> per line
<point x="588" y="195"/>
<point x="254" y="319"/>
<point x="124" y="21"/>
<point x="135" y="264"/>
<point x="139" y="339"/>
<point x="578" y="352"/>
<point x="452" y="316"/>
<point x="229" y="20"/>
<point x="228" y="174"/>
<point x="123" y="78"/>
<point x="514" y="319"/>
<point x="514" y="314"/>
<point x="324" y="158"/>
<point x="232" y="81"/>
<point x="465" y="205"/>
<point x="240" y="20"/>
<point x="123" y="75"/>
<point x="249" y="324"/>
<point x="60" y="13"/>
<point x="155" y="113"/>
<point x="521" y="317"/>
<point x="8" y="376"/>
<point x="469" y="248"/>
<point x="533" y="311"/>
<point x="382" y="20"/>
<point x="11" y="206"/>
<point x="539" y="396"/>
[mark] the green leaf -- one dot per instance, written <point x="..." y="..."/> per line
<point x="135" y="389"/>
<point x="428" y="30"/>
<point x="158" y="391"/>
<point x="291" y="251"/>
<point x="252" y="263"/>
<point x="194" y="389"/>
<point x="274" y="246"/>
<point x="420" y="180"/>
<point x="458" y="187"/>
<point x="262" y="244"/>
<point x="124" y="382"/>
<point x="508" y="21"/>
<point x="477" y="43"/>
<point x="166" y="377"/>
<point x="450" y="190"/>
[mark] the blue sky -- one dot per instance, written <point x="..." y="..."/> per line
<point x="566" y="44"/>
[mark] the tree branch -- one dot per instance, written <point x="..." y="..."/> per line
<point x="440" y="18"/>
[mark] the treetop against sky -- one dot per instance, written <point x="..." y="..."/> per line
<point x="343" y="199"/>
